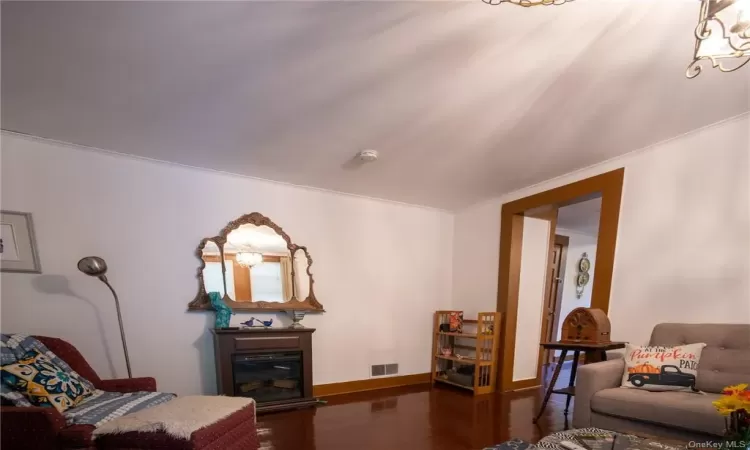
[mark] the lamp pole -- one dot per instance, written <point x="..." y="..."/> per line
<point x="97" y="267"/>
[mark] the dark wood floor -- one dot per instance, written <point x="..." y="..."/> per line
<point x="413" y="418"/>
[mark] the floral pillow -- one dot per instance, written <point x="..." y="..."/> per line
<point x="16" y="346"/>
<point x="45" y="383"/>
<point x="656" y="368"/>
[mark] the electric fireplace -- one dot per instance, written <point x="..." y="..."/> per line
<point x="268" y="377"/>
<point x="273" y="366"/>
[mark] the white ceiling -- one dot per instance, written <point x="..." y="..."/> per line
<point x="463" y="100"/>
<point x="581" y="217"/>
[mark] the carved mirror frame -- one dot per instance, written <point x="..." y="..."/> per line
<point x="203" y="303"/>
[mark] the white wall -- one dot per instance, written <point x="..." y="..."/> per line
<point x="682" y="249"/>
<point x="577" y="245"/>
<point x="380" y="268"/>
<point x="534" y="263"/>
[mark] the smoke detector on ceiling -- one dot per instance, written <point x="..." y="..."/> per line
<point x="368" y="155"/>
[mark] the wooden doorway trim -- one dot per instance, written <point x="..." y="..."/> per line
<point x="550" y="215"/>
<point x="609" y="186"/>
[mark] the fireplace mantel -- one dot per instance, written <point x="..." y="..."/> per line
<point x="231" y="345"/>
<point x="260" y="330"/>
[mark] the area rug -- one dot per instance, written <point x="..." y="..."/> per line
<point x="584" y="438"/>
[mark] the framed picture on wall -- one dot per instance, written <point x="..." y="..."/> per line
<point x="18" y="252"/>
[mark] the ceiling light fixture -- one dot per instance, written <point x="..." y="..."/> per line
<point x="368" y="155"/>
<point x="722" y="35"/>
<point x="528" y="3"/>
<point x="248" y="259"/>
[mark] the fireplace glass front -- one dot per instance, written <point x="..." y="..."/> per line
<point x="268" y="377"/>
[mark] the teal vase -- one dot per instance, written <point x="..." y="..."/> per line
<point x="223" y="312"/>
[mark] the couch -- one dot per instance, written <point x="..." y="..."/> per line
<point x="601" y="402"/>
<point x="38" y="428"/>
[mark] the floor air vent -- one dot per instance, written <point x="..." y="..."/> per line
<point x="379" y="370"/>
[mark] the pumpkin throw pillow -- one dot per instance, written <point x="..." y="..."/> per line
<point x="655" y="368"/>
<point x="45" y="383"/>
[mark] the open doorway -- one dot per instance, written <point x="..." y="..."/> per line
<point x="576" y="234"/>
<point x="531" y="285"/>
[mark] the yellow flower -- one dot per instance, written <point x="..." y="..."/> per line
<point x="724" y="411"/>
<point x="735" y="390"/>
<point x="734" y="398"/>
<point x="728" y="404"/>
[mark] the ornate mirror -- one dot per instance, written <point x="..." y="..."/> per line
<point x="253" y="264"/>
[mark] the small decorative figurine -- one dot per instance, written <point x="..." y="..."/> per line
<point x="261" y="323"/>
<point x="223" y="312"/>
<point x="297" y="316"/>
<point x="446" y="351"/>
<point x="456" y="321"/>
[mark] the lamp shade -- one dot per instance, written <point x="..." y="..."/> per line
<point x="92" y="265"/>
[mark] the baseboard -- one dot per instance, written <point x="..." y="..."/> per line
<point x="348" y="387"/>
<point x="523" y="384"/>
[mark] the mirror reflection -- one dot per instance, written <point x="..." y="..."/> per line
<point x="253" y="264"/>
<point x="302" y="282"/>
<point x="213" y="281"/>
<point x="258" y="265"/>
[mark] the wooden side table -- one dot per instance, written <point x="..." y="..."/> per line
<point x="593" y="352"/>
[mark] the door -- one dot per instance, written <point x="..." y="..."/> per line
<point x="554" y="294"/>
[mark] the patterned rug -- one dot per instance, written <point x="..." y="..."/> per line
<point x="552" y="442"/>
<point x="513" y="444"/>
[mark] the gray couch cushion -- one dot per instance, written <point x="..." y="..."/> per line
<point x="725" y="359"/>
<point x="685" y="410"/>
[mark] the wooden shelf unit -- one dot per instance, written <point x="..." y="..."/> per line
<point x="485" y="334"/>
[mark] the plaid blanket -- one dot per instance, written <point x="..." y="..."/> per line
<point x="105" y="406"/>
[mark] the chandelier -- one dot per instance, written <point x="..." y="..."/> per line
<point x="528" y="3"/>
<point x="248" y="259"/>
<point x="722" y="36"/>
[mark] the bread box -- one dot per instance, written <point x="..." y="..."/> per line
<point x="586" y="326"/>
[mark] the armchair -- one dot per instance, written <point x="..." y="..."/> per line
<point x="37" y="428"/>
<point x="601" y="402"/>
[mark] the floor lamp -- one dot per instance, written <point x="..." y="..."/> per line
<point x="96" y="267"/>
